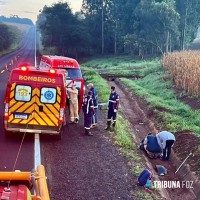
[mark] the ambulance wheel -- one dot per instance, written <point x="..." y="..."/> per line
<point x="59" y="136"/>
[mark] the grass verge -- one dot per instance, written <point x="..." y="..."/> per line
<point x="100" y="84"/>
<point x="122" y="65"/>
<point x="122" y="136"/>
<point x="157" y="89"/>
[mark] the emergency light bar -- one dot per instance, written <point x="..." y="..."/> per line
<point x="52" y="71"/>
<point x="23" y="68"/>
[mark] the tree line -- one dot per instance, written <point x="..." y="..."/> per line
<point x="8" y="36"/>
<point x="138" y="27"/>
<point x="16" y="19"/>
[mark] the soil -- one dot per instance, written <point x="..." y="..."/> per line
<point x="83" y="167"/>
<point x="142" y="119"/>
<point x="193" y="102"/>
<point x="183" y="147"/>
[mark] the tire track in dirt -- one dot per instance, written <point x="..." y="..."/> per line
<point x="141" y="119"/>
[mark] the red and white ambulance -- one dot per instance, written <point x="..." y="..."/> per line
<point x="35" y="101"/>
<point x="72" y="71"/>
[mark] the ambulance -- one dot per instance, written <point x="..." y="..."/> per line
<point x="72" y="71"/>
<point x="35" y="101"/>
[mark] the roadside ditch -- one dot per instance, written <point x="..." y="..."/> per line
<point x="143" y="121"/>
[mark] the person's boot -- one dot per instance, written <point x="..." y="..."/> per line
<point x="76" y="121"/>
<point x="108" y="126"/>
<point x="90" y="134"/>
<point x="114" y="124"/>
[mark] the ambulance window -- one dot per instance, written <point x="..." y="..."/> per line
<point x="48" y="95"/>
<point x="23" y="93"/>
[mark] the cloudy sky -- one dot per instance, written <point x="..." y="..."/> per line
<point x="30" y="8"/>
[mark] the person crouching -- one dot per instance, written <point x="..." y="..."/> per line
<point x="151" y="146"/>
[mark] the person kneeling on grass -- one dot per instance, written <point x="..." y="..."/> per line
<point x="150" y="146"/>
<point x="166" y="141"/>
<point x="145" y="179"/>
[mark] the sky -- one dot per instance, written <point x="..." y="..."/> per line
<point x="30" y="8"/>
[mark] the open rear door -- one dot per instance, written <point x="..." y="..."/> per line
<point x="79" y="82"/>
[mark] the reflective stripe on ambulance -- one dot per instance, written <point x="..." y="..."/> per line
<point x="48" y="117"/>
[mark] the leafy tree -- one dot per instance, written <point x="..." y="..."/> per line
<point x="61" y="29"/>
<point x="138" y="27"/>
<point x="8" y="36"/>
<point x="189" y="20"/>
<point x="16" y="19"/>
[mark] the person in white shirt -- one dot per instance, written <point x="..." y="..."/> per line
<point x="165" y="140"/>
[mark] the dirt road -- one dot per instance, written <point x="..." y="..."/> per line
<point x="86" y="168"/>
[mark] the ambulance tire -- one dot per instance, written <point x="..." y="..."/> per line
<point x="59" y="136"/>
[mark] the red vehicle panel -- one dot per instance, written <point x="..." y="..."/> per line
<point x="35" y="101"/>
<point x="72" y="71"/>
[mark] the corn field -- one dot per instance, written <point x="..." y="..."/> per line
<point x="184" y="68"/>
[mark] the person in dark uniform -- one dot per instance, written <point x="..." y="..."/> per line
<point x="88" y="110"/>
<point x="95" y="101"/>
<point x="151" y="146"/>
<point x="112" y="108"/>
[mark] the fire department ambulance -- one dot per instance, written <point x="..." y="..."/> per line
<point x="72" y="71"/>
<point x="35" y="101"/>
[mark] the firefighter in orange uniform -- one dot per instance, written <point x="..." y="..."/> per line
<point x="73" y="103"/>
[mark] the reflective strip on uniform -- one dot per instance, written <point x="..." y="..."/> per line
<point x="108" y="120"/>
<point x="115" y="120"/>
<point x="117" y="99"/>
<point x="112" y="101"/>
<point x="88" y="128"/>
<point x="88" y="105"/>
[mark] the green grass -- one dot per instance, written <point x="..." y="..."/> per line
<point x="141" y="195"/>
<point x="100" y="84"/>
<point x="120" y="62"/>
<point x="157" y="89"/>
<point x="122" y="135"/>
<point x="123" y="132"/>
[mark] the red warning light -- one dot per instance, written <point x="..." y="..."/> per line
<point x="52" y="71"/>
<point x="23" y="68"/>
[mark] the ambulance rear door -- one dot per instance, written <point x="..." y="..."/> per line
<point x="48" y="105"/>
<point x="22" y="105"/>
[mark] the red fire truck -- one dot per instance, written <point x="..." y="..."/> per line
<point x="72" y="71"/>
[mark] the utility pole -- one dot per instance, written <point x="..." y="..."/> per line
<point x="102" y="27"/>
<point x="115" y="47"/>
